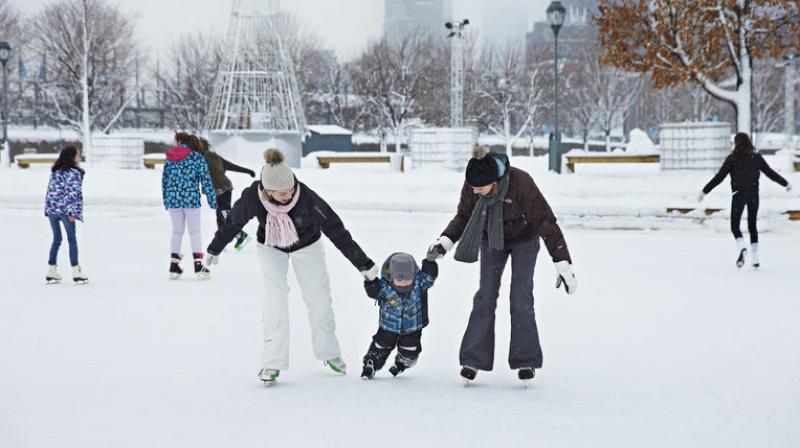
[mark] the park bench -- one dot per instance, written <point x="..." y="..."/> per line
<point x="151" y="160"/>
<point x="793" y="215"/>
<point x="610" y="158"/>
<point x="326" y="161"/>
<point x="26" y="160"/>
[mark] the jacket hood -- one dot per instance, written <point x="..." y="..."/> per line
<point x="178" y="153"/>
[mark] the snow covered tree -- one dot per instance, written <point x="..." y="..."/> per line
<point x="187" y="77"/>
<point x="708" y="42"/>
<point x="336" y="96"/>
<point x="91" y="50"/>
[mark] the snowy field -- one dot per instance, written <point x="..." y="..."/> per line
<point x="666" y="344"/>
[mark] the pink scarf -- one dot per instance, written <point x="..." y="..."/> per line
<point x="281" y="232"/>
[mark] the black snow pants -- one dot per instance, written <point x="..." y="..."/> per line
<point x="408" y="349"/>
<point x="741" y="200"/>
<point x="477" y="347"/>
<point x="223" y="209"/>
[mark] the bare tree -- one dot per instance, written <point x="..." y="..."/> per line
<point x="767" y="97"/>
<point x="393" y="77"/>
<point x="91" y="50"/>
<point x="187" y="78"/>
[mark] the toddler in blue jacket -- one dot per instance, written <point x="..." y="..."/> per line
<point x="402" y="294"/>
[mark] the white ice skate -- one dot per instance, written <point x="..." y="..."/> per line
<point x="52" y="275"/>
<point x="78" y="276"/>
<point x="742" y="252"/>
<point x="268" y="376"/>
<point x="754" y="259"/>
<point x="337" y="365"/>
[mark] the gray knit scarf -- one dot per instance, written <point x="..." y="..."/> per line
<point x="470" y="244"/>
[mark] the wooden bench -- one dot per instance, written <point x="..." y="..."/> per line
<point x="326" y="161"/>
<point x="151" y="160"/>
<point x="574" y="160"/>
<point x="793" y="215"/>
<point x="686" y="211"/>
<point x="25" y="160"/>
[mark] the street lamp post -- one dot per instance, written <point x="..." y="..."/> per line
<point x="5" y="54"/>
<point x="555" y="16"/>
<point x="456" y="35"/>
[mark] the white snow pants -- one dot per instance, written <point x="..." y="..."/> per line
<point x="312" y="276"/>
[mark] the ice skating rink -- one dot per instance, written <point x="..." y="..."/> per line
<point x="666" y="344"/>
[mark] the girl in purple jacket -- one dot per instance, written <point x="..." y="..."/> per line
<point x="64" y="206"/>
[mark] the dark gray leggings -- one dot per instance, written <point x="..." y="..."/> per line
<point x="741" y="200"/>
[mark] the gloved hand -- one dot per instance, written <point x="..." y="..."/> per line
<point x="372" y="287"/>
<point x="211" y="260"/>
<point x="566" y="276"/>
<point x="371" y="273"/>
<point x="701" y="196"/>
<point x="788" y="188"/>
<point x="252" y="173"/>
<point x="439" y="248"/>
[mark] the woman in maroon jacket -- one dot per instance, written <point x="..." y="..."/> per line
<point x="501" y="215"/>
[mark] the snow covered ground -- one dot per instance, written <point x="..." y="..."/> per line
<point x="666" y="344"/>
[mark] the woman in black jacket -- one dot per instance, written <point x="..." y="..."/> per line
<point x="291" y="221"/>
<point x="745" y="167"/>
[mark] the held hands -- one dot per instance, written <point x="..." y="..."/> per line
<point x="439" y="248"/>
<point x="371" y="273"/>
<point x="211" y="260"/>
<point x="566" y="277"/>
<point x="372" y="287"/>
<point x="701" y="196"/>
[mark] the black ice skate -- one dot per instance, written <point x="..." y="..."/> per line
<point x="368" y="372"/>
<point x="526" y="375"/>
<point x="468" y="374"/>
<point x="175" y="270"/>
<point x="199" y="268"/>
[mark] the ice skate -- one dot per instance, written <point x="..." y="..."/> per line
<point x="337" y="365"/>
<point x="242" y="241"/>
<point x="53" y="276"/>
<point x="268" y="376"/>
<point x="78" y="276"/>
<point x="200" y="269"/>
<point x="468" y="374"/>
<point x="526" y="375"/>
<point x="754" y="258"/>
<point x="742" y="252"/>
<point x="175" y="270"/>
<point x="368" y="372"/>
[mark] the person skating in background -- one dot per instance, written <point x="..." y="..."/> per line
<point x="402" y="294"/>
<point x="745" y="166"/>
<point x="501" y="215"/>
<point x="64" y="206"/>
<point x="223" y="187"/>
<point x="291" y="221"/>
<point x="185" y="171"/>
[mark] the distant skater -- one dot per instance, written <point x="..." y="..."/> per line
<point x="64" y="206"/>
<point x="745" y="167"/>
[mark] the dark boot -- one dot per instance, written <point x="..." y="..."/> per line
<point x="175" y="270"/>
<point x="202" y="272"/>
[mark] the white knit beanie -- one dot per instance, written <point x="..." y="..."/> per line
<point x="276" y="174"/>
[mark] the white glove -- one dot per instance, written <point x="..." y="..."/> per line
<point x="701" y="196"/>
<point x="211" y="260"/>
<point x="788" y="188"/>
<point x="441" y="246"/>
<point x="370" y="274"/>
<point x="566" y="276"/>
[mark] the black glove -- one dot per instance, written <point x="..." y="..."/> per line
<point x="372" y="287"/>
<point x="252" y="173"/>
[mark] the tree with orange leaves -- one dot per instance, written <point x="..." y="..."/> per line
<point x="709" y="42"/>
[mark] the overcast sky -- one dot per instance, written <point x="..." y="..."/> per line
<point x="343" y="25"/>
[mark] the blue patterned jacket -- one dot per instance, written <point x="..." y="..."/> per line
<point x="184" y="171"/>
<point x="65" y="193"/>
<point x="405" y="313"/>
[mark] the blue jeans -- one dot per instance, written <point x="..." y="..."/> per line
<point x="72" y="240"/>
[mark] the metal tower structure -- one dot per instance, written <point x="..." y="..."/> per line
<point x="256" y="88"/>
<point x="456" y="37"/>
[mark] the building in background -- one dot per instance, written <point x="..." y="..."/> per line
<point x="576" y="32"/>
<point x="504" y="21"/>
<point x="406" y="17"/>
